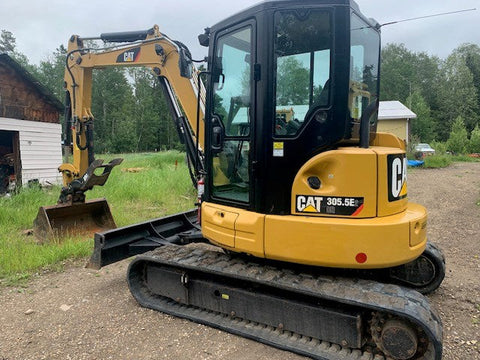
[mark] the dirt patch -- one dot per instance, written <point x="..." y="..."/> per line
<point x="86" y="314"/>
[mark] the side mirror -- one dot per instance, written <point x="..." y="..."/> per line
<point x="204" y="38"/>
<point x="185" y="64"/>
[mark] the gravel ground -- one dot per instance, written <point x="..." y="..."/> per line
<point x="86" y="314"/>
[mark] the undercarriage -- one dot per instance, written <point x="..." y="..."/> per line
<point x="320" y="314"/>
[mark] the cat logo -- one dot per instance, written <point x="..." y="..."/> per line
<point x="129" y="56"/>
<point x="397" y="177"/>
<point x="311" y="204"/>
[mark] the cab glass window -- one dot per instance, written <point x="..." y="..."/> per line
<point x="302" y="67"/>
<point x="364" y="66"/>
<point x="232" y="79"/>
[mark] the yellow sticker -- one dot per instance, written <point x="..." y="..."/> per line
<point x="225" y="297"/>
<point x="278" y="149"/>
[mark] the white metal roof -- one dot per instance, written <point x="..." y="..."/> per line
<point x="389" y="110"/>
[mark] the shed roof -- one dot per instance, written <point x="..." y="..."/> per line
<point x="389" y="110"/>
<point x="42" y="89"/>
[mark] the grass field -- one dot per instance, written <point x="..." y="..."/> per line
<point x="144" y="186"/>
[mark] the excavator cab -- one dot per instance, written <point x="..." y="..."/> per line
<point x="289" y="80"/>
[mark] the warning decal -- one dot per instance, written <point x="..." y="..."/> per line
<point x="334" y="205"/>
<point x="278" y="149"/>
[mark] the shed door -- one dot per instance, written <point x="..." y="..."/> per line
<point x="10" y="165"/>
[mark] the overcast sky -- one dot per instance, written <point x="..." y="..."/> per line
<point x="40" y="26"/>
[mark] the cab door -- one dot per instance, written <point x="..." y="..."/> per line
<point x="232" y="117"/>
<point x="230" y="133"/>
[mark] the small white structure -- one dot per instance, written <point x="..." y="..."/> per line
<point x="30" y="130"/>
<point x="394" y="117"/>
<point x="39" y="146"/>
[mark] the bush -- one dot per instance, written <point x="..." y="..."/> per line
<point x="437" y="161"/>
<point x="440" y="147"/>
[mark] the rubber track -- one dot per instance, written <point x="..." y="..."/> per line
<point x="369" y="295"/>
<point x="437" y="253"/>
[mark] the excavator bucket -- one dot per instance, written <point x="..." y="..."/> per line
<point x="73" y="215"/>
<point x="77" y="219"/>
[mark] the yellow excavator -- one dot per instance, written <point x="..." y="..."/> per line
<point x="303" y="237"/>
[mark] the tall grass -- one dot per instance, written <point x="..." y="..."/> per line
<point x="147" y="186"/>
<point x="144" y="186"/>
<point x="439" y="161"/>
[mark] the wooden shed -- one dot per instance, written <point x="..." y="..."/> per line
<point x="30" y="130"/>
<point x="394" y="117"/>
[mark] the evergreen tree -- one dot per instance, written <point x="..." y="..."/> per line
<point x="8" y="42"/>
<point x="50" y="72"/>
<point x="458" y="140"/>
<point x="8" y="45"/>
<point x="423" y="127"/>
<point x="474" y="143"/>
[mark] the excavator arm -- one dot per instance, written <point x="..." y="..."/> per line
<point x="170" y="60"/>
<point x="172" y="63"/>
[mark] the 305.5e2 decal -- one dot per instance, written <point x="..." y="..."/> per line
<point x="333" y="205"/>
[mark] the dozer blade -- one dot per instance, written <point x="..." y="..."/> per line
<point x="77" y="219"/>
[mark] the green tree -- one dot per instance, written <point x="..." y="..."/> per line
<point x="396" y="80"/>
<point x="155" y="128"/>
<point x="428" y="77"/>
<point x="471" y="54"/>
<point x="405" y="72"/>
<point x="113" y="109"/>
<point x="50" y="72"/>
<point x="458" y="95"/>
<point x="423" y="127"/>
<point x="474" y="143"/>
<point x="292" y="82"/>
<point x="8" y="42"/>
<point x="458" y="140"/>
<point x="146" y="115"/>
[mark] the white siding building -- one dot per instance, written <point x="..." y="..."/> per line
<point x="30" y="130"/>
<point x="39" y="146"/>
